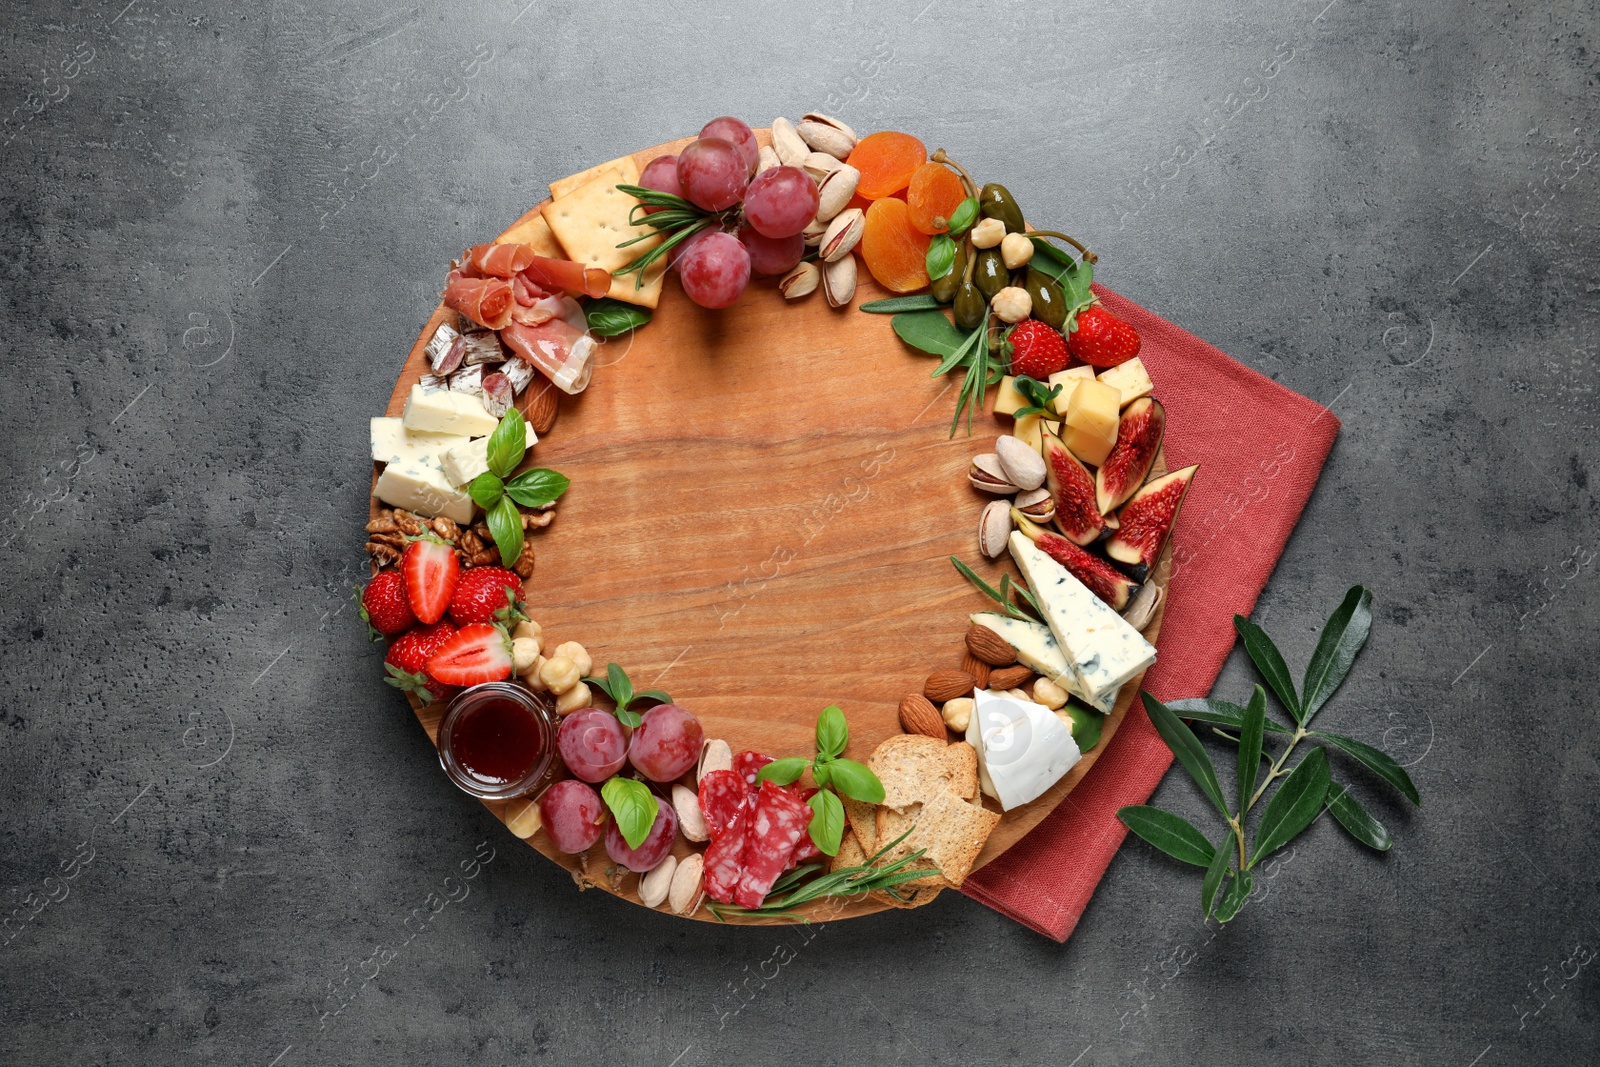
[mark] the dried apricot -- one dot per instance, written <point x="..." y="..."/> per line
<point x="896" y="254"/>
<point x="886" y="162"/>
<point x="934" y="193"/>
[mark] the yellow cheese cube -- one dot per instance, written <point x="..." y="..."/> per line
<point x="1091" y="421"/>
<point x="1130" y="379"/>
<point x="1030" y="428"/>
<point x="1086" y="446"/>
<point x="1006" y="399"/>
<point x="1068" y="380"/>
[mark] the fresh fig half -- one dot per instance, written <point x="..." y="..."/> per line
<point x="1072" y="487"/>
<point x="1098" y="576"/>
<point x="1138" y="440"/>
<point x="1147" y="521"/>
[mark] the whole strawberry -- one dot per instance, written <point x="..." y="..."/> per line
<point x="486" y="594"/>
<point x="1037" y="350"/>
<point x="1101" y="339"/>
<point x="407" y="661"/>
<point x="384" y="606"/>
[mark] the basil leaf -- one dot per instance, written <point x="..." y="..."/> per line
<point x="505" y="524"/>
<point x="608" y="318"/>
<point x="928" y="331"/>
<point x="783" y="771"/>
<point x="633" y="806"/>
<point x="1357" y="820"/>
<point x="827" y="821"/>
<point x="832" y="732"/>
<point x="895" y="304"/>
<point x="1269" y="662"/>
<point x="1170" y="833"/>
<point x="537" y="487"/>
<point x="1255" y="720"/>
<point x="1346" y="631"/>
<point x="855" y="781"/>
<point x="1292" y="808"/>
<point x="508" y="444"/>
<point x="628" y="718"/>
<point x="1086" y="725"/>
<point x="485" y="489"/>
<point x="820" y="773"/>
<point x="962" y="218"/>
<point x="1218" y="713"/>
<point x="618" y="686"/>
<point x="658" y="695"/>
<point x="1238" y="892"/>
<point x="941" y="257"/>
<point x="1377" y="762"/>
<point x="1187" y="748"/>
<point x="1213" y="879"/>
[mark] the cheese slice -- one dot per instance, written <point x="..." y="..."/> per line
<point x="392" y="441"/>
<point x="1101" y="649"/>
<point x="422" y="490"/>
<point x="462" y="414"/>
<point x="1023" y="748"/>
<point x="1038" y="650"/>
<point x="465" y="461"/>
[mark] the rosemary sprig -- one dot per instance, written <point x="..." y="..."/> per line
<point x="1002" y="596"/>
<point x="981" y="374"/>
<point x="845" y="882"/>
<point x="674" y="216"/>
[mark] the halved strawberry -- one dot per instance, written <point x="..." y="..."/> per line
<point x="430" y="568"/>
<point x="407" y="661"/>
<point x="384" y="607"/>
<point x="475" y="654"/>
<point x="487" y="594"/>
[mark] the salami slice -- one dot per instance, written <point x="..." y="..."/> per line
<point x="722" y="796"/>
<point x="776" y="825"/>
<point x="747" y="765"/>
<point x="806" y="850"/>
<point x="724" y="856"/>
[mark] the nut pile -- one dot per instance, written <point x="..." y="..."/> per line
<point x="988" y="662"/>
<point x="387" y="535"/>
<point x="820" y="145"/>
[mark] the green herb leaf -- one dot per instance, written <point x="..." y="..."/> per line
<point x="1214" y="873"/>
<point x="659" y="695"/>
<point x="1377" y="762"/>
<point x="928" y="331"/>
<point x="485" y="489"/>
<point x="988" y="590"/>
<point x="610" y="318"/>
<point x="537" y="487"/>
<point x="1086" y="725"/>
<point x="633" y="806"/>
<point x="1269" y="662"/>
<point x="1218" y="713"/>
<point x="1238" y="892"/>
<point x="896" y="304"/>
<point x="508" y="444"/>
<point x="827" y="821"/>
<point x="960" y="357"/>
<point x="1292" y="808"/>
<point x="1255" y="720"/>
<point x="855" y="781"/>
<point x="1186" y="747"/>
<point x="833" y="733"/>
<point x="1346" y="631"/>
<point x="783" y="771"/>
<point x="820" y="773"/>
<point x="1357" y="820"/>
<point x="1041" y="394"/>
<point x="1007" y="587"/>
<point x="1170" y="833"/>
<point x="941" y="256"/>
<point x="505" y="524"/>
<point x="962" y="218"/>
<point x="1074" y="276"/>
<point x="629" y="718"/>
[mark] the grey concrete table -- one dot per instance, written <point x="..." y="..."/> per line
<point x="224" y="223"/>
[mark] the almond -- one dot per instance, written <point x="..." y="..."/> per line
<point x="947" y="685"/>
<point x="541" y="412"/>
<point x="977" y="668"/>
<point x="919" y="716"/>
<point x="990" y="647"/>
<point x="1009" y="677"/>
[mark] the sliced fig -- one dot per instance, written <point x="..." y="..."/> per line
<point x="1098" y="576"/>
<point x="1147" y="521"/>
<point x="1072" y="487"/>
<point x="1138" y="440"/>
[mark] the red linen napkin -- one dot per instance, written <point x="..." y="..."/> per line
<point x="1260" y="448"/>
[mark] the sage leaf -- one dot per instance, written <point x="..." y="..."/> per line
<point x="505" y="524"/>
<point x="1377" y="762"/>
<point x="1357" y="820"/>
<point x="537" y="487"/>
<point x="485" y="489"/>
<point x="855" y="781"/>
<point x="508" y="444"/>
<point x="1269" y="662"/>
<point x="941" y="256"/>
<point x="1293" y="807"/>
<point x="895" y="304"/>
<point x="928" y="331"/>
<point x="783" y="771"/>
<point x="1218" y="713"/>
<point x="1238" y="892"/>
<point x="1170" y="833"/>
<point x="633" y="806"/>
<point x="962" y="218"/>
<point x="609" y="318"/>
<point x="1255" y="719"/>
<point x="1186" y="747"/>
<point x="1213" y="879"/>
<point x="1346" y="631"/>
<point x="833" y="733"/>
<point x="827" y="821"/>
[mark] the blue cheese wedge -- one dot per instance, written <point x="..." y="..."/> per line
<point x="391" y="441"/>
<point x="1037" y="649"/>
<point x="462" y="414"/>
<point x="422" y="490"/>
<point x="1023" y="747"/>
<point x="1102" y="651"/>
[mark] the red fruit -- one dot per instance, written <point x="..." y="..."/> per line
<point x="407" y="661"/>
<point x="1072" y="488"/>
<point x="1147" y="521"/>
<point x="1101" y="339"/>
<point x="473" y="655"/>
<point x="1098" y="576"/>
<point x="486" y="594"/>
<point x="1126" y="467"/>
<point x="384" y="606"/>
<point x="1037" y="350"/>
<point x="430" y="568"/>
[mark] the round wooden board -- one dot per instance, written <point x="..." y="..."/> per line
<point x="764" y="501"/>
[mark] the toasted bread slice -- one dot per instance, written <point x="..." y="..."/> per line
<point x="909" y="765"/>
<point x="952" y="831"/>
<point x="863" y="824"/>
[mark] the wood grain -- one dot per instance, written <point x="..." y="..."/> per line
<point x="763" y="504"/>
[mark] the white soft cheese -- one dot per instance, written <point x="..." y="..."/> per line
<point x="1023" y="747"/>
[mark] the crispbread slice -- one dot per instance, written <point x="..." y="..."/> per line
<point x="961" y="761"/>
<point x="952" y="831"/>
<point x="908" y="765"/>
<point x="863" y="824"/>
<point x="562" y="187"/>
<point x="591" y="220"/>
<point x="892" y="822"/>
<point x="916" y="895"/>
<point x="536" y="234"/>
<point x="850" y="855"/>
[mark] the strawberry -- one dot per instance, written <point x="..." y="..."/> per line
<point x="487" y="594"/>
<point x="475" y="654"/>
<point x="384" y="607"/>
<point x="430" y="568"/>
<point x="407" y="661"/>
<point x="1101" y="339"/>
<point x="1037" y="350"/>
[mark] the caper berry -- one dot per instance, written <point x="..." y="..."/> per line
<point x="995" y="202"/>
<point x="971" y="306"/>
<point x="944" y="289"/>
<point x="1049" y="303"/>
<point x="990" y="274"/>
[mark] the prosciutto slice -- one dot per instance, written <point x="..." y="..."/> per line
<point x="572" y="278"/>
<point x="561" y="351"/>
<point x="486" y="301"/>
<point x="500" y="261"/>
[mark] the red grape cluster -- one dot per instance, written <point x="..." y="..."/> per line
<point x="716" y="173"/>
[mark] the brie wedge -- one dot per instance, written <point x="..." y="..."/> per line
<point x="1023" y="747"/>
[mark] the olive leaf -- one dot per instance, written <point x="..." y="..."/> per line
<point x="610" y="318"/>
<point x="1218" y="713"/>
<point x="941" y="257"/>
<point x="1377" y="762"/>
<point x="1172" y="834"/>
<point x="1293" y="807"/>
<point x="1232" y="900"/>
<point x="633" y="806"/>
<point x="895" y="304"/>
<point x="1186" y="747"/>
<point x="1342" y="637"/>
<point x="1357" y="820"/>
<point x="508" y="444"/>
<point x="827" y="821"/>
<point x="1269" y="663"/>
<point x="1255" y="719"/>
<point x="1213" y="878"/>
<point x="505" y="525"/>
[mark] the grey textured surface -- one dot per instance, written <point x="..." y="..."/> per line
<point x="222" y="226"/>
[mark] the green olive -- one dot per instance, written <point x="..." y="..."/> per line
<point x="995" y="203"/>
<point x="991" y="275"/>
<point x="971" y="306"/>
<point x="944" y="289"/>
<point x="1049" y="303"/>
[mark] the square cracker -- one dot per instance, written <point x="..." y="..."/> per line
<point x="562" y="187"/>
<point x="536" y="234"/>
<point x="592" y="220"/>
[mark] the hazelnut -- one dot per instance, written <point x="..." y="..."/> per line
<point x="560" y="674"/>
<point x="988" y="233"/>
<point x="1015" y="250"/>
<point x="528" y="628"/>
<point x="524" y="651"/>
<point x="1049" y="694"/>
<point x="1012" y="304"/>
<point x="957" y="713"/>
<point x="530" y="677"/>
<point x="577" y="654"/>
<point x="579" y="696"/>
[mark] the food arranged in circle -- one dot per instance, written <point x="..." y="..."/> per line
<point x="629" y="785"/>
